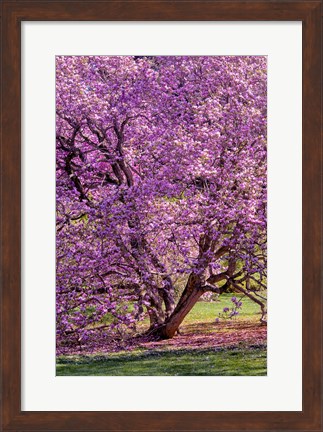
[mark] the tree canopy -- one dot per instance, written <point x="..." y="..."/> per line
<point x="161" y="182"/>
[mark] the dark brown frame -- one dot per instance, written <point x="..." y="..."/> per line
<point x="15" y="11"/>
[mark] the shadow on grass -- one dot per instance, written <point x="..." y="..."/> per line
<point x="249" y="361"/>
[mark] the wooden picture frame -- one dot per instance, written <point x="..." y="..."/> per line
<point x="13" y="13"/>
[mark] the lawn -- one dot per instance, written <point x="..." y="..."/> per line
<point x="221" y="362"/>
<point x="230" y="347"/>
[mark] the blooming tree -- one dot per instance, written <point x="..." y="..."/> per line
<point x="161" y="179"/>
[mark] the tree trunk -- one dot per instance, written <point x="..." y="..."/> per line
<point x="155" y="318"/>
<point x="190" y="296"/>
<point x="177" y="317"/>
<point x="196" y="286"/>
<point x="167" y="293"/>
<point x="155" y="312"/>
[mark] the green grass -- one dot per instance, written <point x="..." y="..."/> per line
<point x="207" y="312"/>
<point x="220" y="362"/>
<point x="169" y="360"/>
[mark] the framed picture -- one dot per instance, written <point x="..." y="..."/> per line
<point x="172" y="118"/>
